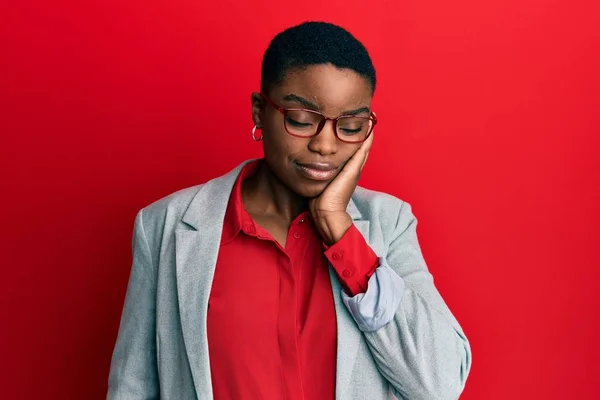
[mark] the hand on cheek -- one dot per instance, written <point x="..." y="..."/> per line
<point x="328" y="210"/>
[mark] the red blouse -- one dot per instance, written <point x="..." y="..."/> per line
<point x="271" y="316"/>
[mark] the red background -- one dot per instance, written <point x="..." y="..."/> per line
<point x="489" y="127"/>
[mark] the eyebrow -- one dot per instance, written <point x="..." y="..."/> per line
<point x="312" y="106"/>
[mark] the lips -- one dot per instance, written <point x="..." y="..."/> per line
<point x="317" y="171"/>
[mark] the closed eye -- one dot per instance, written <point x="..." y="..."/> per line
<point x="299" y="124"/>
<point x="347" y="131"/>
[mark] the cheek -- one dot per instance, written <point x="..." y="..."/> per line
<point x="351" y="153"/>
<point x="280" y="146"/>
<point x="272" y="147"/>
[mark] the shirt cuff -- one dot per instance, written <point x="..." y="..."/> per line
<point x="353" y="261"/>
<point x="377" y="307"/>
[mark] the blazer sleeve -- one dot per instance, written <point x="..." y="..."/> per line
<point x="133" y="370"/>
<point x="420" y="348"/>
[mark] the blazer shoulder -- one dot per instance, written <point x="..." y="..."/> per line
<point x="178" y="200"/>
<point x="163" y="214"/>
<point x="388" y="211"/>
<point x="372" y="202"/>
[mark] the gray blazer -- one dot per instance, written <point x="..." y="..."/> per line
<point x="162" y="351"/>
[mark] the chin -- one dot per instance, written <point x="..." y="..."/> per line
<point x="311" y="191"/>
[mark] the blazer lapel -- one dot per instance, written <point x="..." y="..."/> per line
<point x="196" y="251"/>
<point x="349" y="335"/>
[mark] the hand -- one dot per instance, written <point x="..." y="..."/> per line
<point x="328" y="210"/>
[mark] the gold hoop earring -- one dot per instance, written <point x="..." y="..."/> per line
<point x="256" y="139"/>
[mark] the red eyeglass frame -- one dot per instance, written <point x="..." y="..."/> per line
<point x="321" y="125"/>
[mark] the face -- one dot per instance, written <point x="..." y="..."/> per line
<point x="307" y="165"/>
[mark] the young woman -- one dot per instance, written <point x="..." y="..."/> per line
<point x="283" y="279"/>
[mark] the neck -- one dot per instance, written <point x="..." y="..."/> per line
<point x="264" y="193"/>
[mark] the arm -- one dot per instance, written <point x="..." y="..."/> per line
<point x="133" y="370"/>
<point x="416" y="342"/>
<point x="353" y="260"/>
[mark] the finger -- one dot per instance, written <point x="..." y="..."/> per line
<point x="356" y="163"/>
<point x="365" y="161"/>
<point x="368" y="143"/>
<point x="364" y="147"/>
<point x="363" y="152"/>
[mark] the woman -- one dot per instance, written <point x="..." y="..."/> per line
<point x="283" y="279"/>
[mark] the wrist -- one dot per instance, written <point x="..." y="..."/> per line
<point x="332" y="227"/>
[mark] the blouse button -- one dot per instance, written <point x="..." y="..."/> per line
<point x="296" y="235"/>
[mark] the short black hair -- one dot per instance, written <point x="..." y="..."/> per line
<point x="314" y="43"/>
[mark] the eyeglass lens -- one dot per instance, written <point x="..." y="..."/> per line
<point x="306" y="123"/>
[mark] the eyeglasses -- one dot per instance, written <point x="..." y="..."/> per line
<point x="304" y="123"/>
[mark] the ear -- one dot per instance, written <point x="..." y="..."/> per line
<point x="258" y="104"/>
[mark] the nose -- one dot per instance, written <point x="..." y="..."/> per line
<point x="325" y="143"/>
